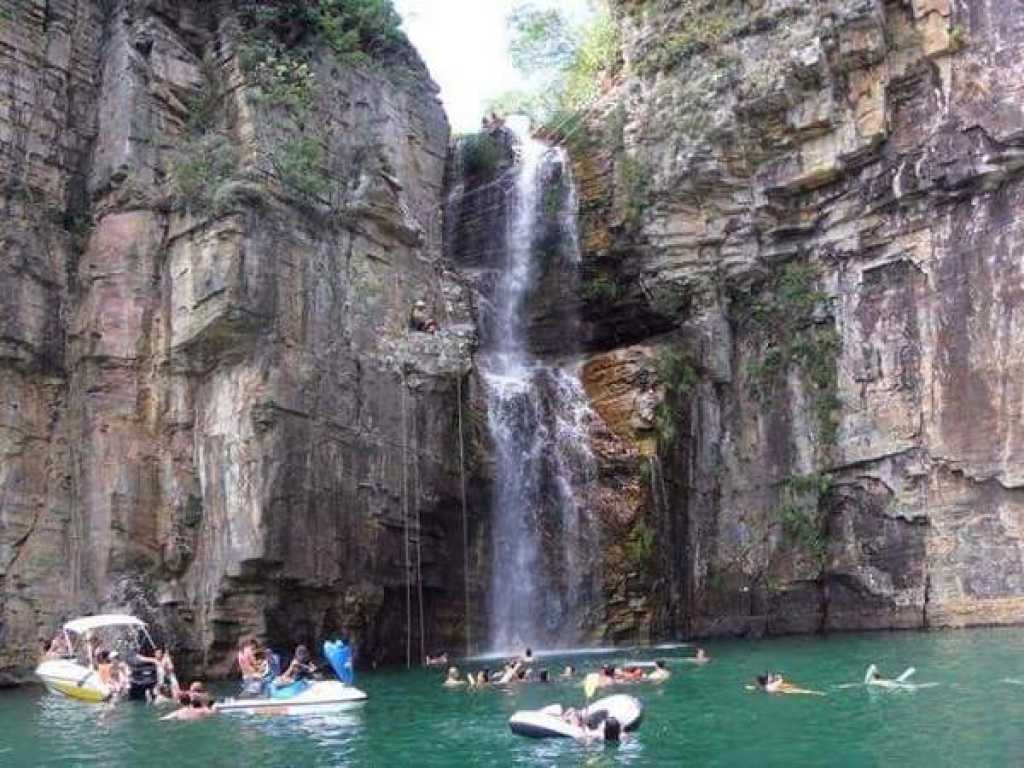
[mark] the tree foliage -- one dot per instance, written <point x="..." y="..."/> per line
<point x="563" y="59"/>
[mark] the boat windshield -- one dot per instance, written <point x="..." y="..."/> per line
<point x="127" y="640"/>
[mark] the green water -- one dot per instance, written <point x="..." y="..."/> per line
<point x="702" y="716"/>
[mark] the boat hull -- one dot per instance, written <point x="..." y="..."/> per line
<point x="76" y="681"/>
<point x="320" y="696"/>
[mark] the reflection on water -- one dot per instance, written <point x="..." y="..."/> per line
<point x="702" y="716"/>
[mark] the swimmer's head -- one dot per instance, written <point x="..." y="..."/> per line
<point x="659" y="664"/>
<point x="612" y="729"/>
<point x="763" y="680"/>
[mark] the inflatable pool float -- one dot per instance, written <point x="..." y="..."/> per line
<point x="547" y="723"/>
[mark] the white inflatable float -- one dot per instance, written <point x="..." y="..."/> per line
<point x="547" y="723"/>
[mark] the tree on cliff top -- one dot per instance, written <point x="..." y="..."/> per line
<point x="355" y="30"/>
<point x="565" y="61"/>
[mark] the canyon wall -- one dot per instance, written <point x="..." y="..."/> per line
<point x="214" y="410"/>
<point x="222" y="407"/>
<point x="803" y="235"/>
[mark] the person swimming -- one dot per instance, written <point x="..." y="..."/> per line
<point x="606" y="678"/>
<point x="610" y="731"/>
<point x="630" y="674"/>
<point x="195" y="706"/>
<point x="701" y="657"/>
<point x="660" y="673"/>
<point x="453" y="680"/>
<point x="774" y="683"/>
<point x="873" y="678"/>
<point x="510" y="673"/>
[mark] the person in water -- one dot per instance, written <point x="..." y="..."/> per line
<point x="301" y="668"/>
<point x="660" y="673"/>
<point x="701" y="657"/>
<point x="569" y="672"/>
<point x="872" y="677"/>
<point x="161" y="694"/>
<point x="607" y="677"/>
<point x="196" y="706"/>
<point x="164" y="664"/>
<point x="453" y="680"/>
<point x="609" y="731"/>
<point x="771" y="683"/>
<point x="111" y="672"/>
<point x="510" y="673"/>
<point x="629" y="674"/>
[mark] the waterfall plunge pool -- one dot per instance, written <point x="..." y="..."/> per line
<point x="702" y="716"/>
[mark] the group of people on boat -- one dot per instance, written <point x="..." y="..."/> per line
<point x="113" y="670"/>
<point x="258" y="666"/>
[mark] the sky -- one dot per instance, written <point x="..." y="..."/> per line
<point x="465" y="46"/>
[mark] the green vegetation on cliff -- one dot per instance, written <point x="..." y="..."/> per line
<point x="782" y="319"/>
<point x="206" y="160"/>
<point x="280" y="42"/>
<point x="677" y="373"/>
<point x="699" y="26"/>
<point x="802" y="499"/>
<point x="357" y="31"/>
<point x="479" y="154"/>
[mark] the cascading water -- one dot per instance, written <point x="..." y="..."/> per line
<point x="538" y="419"/>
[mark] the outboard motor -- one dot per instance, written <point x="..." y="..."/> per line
<point x="144" y="679"/>
<point x="339" y="656"/>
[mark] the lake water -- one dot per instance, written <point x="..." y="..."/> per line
<point x="703" y="716"/>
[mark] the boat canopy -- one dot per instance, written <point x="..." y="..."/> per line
<point x="78" y="626"/>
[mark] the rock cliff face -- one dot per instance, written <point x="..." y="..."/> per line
<point x="803" y="233"/>
<point x="214" y="411"/>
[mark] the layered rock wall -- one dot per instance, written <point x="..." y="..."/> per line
<point x="810" y="217"/>
<point x="219" y="416"/>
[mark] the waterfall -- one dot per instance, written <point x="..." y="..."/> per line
<point x="544" y="540"/>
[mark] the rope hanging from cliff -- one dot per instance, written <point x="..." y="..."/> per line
<point x="405" y="521"/>
<point x="419" y="535"/>
<point x="465" y="516"/>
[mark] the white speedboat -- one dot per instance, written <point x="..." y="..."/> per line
<point x="73" y="676"/>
